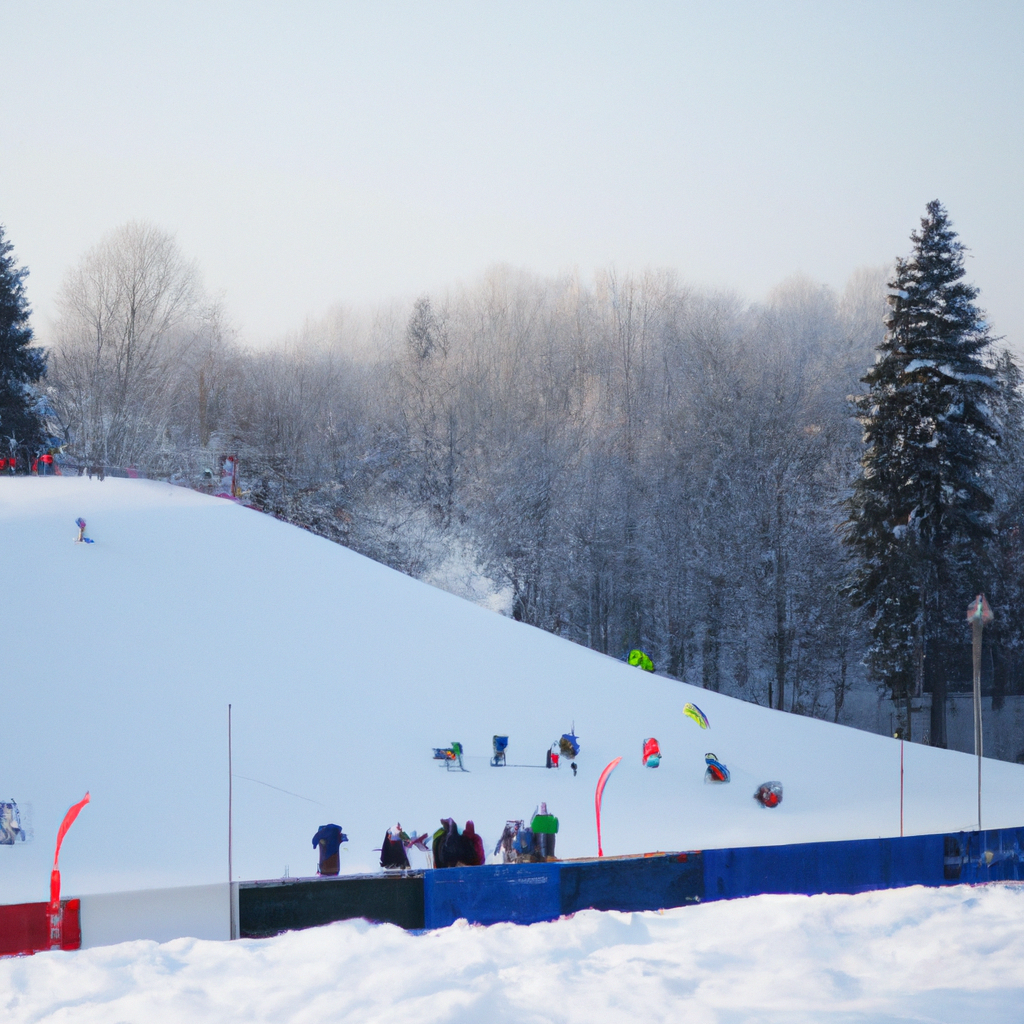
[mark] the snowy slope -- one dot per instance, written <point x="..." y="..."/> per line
<point x="120" y="659"/>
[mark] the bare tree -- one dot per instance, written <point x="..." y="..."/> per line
<point x="130" y="312"/>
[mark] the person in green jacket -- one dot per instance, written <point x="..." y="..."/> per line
<point x="544" y="827"/>
<point x="639" y="659"/>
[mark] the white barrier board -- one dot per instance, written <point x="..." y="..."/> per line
<point x="194" y="911"/>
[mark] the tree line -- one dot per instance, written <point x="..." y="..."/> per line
<point x="628" y="462"/>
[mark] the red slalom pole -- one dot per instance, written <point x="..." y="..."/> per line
<point x="597" y="799"/>
<point x="53" y="911"/>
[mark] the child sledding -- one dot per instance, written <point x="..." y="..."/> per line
<point x="451" y="756"/>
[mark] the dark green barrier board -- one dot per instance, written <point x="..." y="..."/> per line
<point x="267" y="908"/>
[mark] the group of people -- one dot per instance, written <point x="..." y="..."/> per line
<point x="447" y="847"/>
<point x="452" y="849"/>
<point x="531" y="843"/>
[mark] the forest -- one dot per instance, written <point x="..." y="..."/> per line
<point x="626" y="462"/>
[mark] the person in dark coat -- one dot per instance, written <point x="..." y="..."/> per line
<point x="392" y="850"/>
<point x="447" y="844"/>
<point x="452" y="846"/>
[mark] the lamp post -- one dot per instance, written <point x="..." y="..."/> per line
<point x="979" y="615"/>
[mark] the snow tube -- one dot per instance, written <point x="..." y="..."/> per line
<point x="652" y="753"/>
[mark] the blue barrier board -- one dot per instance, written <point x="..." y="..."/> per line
<point x="990" y="856"/>
<point x="523" y="893"/>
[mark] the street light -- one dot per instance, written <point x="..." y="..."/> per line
<point x="979" y="615"/>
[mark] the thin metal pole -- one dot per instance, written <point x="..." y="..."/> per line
<point x="901" y="787"/>
<point x="977" y="626"/>
<point x="231" y="874"/>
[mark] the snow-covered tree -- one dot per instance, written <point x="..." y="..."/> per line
<point x="131" y="312"/>
<point x="919" y="516"/>
<point x="21" y="365"/>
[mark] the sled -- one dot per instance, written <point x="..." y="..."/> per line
<point x="451" y="756"/>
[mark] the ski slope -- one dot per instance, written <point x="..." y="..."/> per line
<point x="120" y="659"/>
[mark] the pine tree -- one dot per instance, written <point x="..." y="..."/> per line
<point x="21" y="366"/>
<point x="1005" y="591"/>
<point x="919" y="515"/>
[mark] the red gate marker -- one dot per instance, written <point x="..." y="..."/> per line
<point x="597" y="799"/>
<point x="54" y="910"/>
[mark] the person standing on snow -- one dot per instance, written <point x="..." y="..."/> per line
<point x="329" y="839"/>
<point x="472" y="847"/>
<point x="544" y="827"/>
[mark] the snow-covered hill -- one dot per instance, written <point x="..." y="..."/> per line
<point x="120" y="659"/>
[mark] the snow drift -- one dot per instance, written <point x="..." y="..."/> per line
<point x="904" y="955"/>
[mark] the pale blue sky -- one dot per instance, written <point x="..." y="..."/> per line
<point x="315" y="153"/>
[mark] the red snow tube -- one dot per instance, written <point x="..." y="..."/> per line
<point x="652" y="753"/>
<point x="769" y="794"/>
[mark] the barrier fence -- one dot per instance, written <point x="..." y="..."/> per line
<point x="523" y="893"/>
<point x="25" y="927"/>
<point x="526" y="893"/>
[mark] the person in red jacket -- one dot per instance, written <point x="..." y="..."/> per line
<point x="473" y="847"/>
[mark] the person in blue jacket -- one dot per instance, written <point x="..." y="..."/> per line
<point x="329" y="838"/>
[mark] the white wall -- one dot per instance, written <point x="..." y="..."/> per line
<point x="195" y="911"/>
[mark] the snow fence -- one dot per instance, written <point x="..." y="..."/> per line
<point x="527" y="893"/>
<point x="523" y="893"/>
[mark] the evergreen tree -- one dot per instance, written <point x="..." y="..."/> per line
<point x="21" y="366"/>
<point x="919" y="516"/>
<point x="1004" y="639"/>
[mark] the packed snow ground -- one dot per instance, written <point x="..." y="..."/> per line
<point x="120" y="658"/>
<point x="914" y="954"/>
